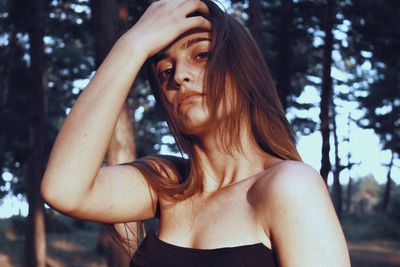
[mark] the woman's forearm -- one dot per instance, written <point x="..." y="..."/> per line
<point x="82" y="142"/>
<point x="81" y="145"/>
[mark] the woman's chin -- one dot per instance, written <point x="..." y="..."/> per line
<point x="194" y="119"/>
<point x="195" y="125"/>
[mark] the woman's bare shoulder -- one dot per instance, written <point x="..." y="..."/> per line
<point x="295" y="209"/>
<point x="286" y="182"/>
<point x="287" y="176"/>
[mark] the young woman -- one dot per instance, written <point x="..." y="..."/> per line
<point x="243" y="197"/>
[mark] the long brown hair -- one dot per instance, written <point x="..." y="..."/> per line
<point x="236" y="64"/>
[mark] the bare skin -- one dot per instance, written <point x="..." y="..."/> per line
<point x="249" y="197"/>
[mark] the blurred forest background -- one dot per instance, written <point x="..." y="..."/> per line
<point x="334" y="62"/>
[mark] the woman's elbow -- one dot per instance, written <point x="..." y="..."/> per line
<point x="58" y="196"/>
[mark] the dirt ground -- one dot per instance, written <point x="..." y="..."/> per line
<point x="379" y="253"/>
<point x="75" y="249"/>
<point x="78" y="249"/>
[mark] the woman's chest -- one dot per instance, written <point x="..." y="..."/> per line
<point x="222" y="220"/>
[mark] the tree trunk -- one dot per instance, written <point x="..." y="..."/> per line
<point x="123" y="15"/>
<point x="35" y="241"/>
<point x="284" y="52"/>
<point x="5" y="83"/>
<point x="104" y="27"/>
<point x="122" y="146"/>
<point x="326" y="93"/>
<point x="337" y="187"/>
<point x="349" y="193"/>
<point x="108" y="21"/>
<point x="349" y="165"/>
<point x="4" y="89"/>
<point x="255" y="21"/>
<point x="388" y="188"/>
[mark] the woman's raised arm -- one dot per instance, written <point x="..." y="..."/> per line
<point x="74" y="182"/>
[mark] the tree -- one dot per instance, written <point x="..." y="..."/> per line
<point x="36" y="235"/>
<point x="106" y="18"/>
<point x="389" y="182"/>
<point x="255" y="20"/>
<point x="285" y="72"/>
<point x="337" y="187"/>
<point x="284" y="31"/>
<point x="14" y="92"/>
<point x="326" y="94"/>
<point x="349" y="165"/>
<point x="377" y="42"/>
<point x="69" y="61"/>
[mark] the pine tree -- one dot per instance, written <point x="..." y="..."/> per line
<point x="376" y="40"/>
<point x="36" y="235"/>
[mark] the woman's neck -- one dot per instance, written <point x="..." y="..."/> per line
<point x="222" y="168"/>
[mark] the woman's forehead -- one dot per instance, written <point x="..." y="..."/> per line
<point x="186" y="39"/>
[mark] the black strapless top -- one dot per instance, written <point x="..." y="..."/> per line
<point x="154" y="252"/>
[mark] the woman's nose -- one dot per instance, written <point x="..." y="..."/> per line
<point x="183" y="74"/>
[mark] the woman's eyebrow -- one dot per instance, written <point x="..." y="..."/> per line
<point x="163" y="55"/>
<point x="191" y="42"/>
<point x="158" y="57"/>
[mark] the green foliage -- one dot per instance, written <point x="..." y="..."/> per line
<point x="289" y="30"/>
<point x="376" y="41"/>
<point x="70" y="58"/>
<point x="15" y="89"/>
<point x="70" y="62"/>
<point x="150" y="124"/>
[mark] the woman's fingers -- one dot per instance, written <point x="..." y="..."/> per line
<point x="165" y="20"/>
<point x="192" y="6"/>
<point x="197" y="22"/>
<point x="182" y="7"/>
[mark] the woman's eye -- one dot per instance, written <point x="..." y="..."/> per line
<point x="165" y="74"/>
<point x="203" y="55"/>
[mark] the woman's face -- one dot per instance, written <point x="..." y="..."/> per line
<point x="180" y="69"/>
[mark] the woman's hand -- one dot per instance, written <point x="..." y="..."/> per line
<point x="164" y="21"/>
<point x="75" y="181"/>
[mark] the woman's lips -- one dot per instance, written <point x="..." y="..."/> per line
<point x="188" y="97"/>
